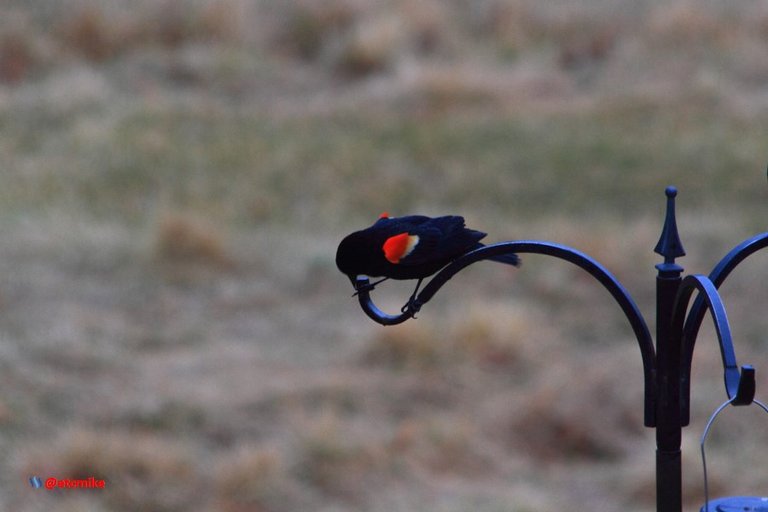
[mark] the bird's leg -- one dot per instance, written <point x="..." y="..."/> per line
<point x="369" y="287"/>
<point x="413" y="305"/>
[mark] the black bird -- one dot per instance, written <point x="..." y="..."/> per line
<point x="410" y="247"/>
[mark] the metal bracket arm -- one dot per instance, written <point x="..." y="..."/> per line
<point x="739" y="387"/>
<point x="595" y="269"/>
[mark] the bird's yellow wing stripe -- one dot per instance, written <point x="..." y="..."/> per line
<point x="399" y="246"/>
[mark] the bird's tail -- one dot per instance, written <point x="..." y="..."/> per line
<point x="509" y="259"/>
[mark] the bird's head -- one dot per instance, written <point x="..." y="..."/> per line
<point x="350" y="254"/>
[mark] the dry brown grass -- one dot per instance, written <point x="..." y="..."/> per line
<point x="411" y="347"/>
<point x="183" y="239"/>
<point x="92" y="35"/>
<point x="249" y="479"/>
<point x="97" y="33"/>
<point x="357" y="42"/>
<point x="307" y="27"/>
<point x="553" y="423"/>
<point x="17" y="58"/>
<point x="371" y="47"/>
<point x="334" y="463"/>
<point x="485" y="336"/>
<point x="445" y="446"/>
<point x="176" y="175"/>
<point x="683" y="22"/>
<point x="139" y="470"/>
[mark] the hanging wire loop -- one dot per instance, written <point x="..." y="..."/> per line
<point x="704" y="436"/>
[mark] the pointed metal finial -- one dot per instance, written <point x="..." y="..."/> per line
<point x="669" y="244"/>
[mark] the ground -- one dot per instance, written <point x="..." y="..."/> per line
<point x="175" y="179"/>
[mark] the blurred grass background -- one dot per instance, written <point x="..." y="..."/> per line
<point x="176" y="176"/>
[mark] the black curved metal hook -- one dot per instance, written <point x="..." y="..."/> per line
<point x="718" y="275"/>
<point x="595" y="269"/>
<point x="363" y="287"/>
<point x="740" y="387"/>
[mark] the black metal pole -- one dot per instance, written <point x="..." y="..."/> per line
<point x="668" y="424"/>
<point x="668" y="349"/>
<point x="667" y="368"/>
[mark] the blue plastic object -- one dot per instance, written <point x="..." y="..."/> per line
<point x="738" y="504"/>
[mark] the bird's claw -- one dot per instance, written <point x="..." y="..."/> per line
<point x="364" y="288"/>
<point x="367" y="287"/>
<point x="412" y="307"/>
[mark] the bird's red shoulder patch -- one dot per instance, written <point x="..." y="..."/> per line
<point x="384" y="215"/>
<point x="399" y="246"/>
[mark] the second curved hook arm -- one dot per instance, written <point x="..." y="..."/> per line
<point x="718" y="275"/>
<point x="739" y="387"/>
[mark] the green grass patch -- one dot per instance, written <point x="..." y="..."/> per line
<point x="249" y="168"/>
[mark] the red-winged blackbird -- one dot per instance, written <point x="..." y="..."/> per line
<point x="411" y="247"/>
